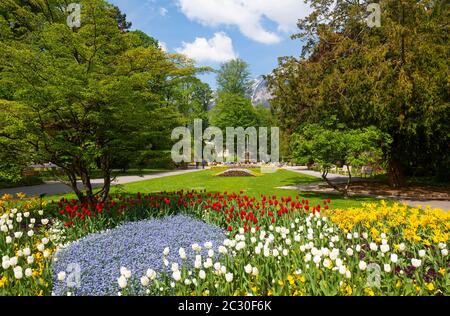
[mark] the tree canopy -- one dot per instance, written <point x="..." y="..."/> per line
<point x="82" y="97"/>
<point x="234" y="77"/>
<point x="394" y="77"/>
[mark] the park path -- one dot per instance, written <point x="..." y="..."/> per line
<point x="55" y="187"/>
<point x="337" y="178"/>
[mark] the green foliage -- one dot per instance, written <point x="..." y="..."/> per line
<point x="233" y="110"/>
<point x="338" y="147"/>
<point x="394" y="77"/>
<point x="234" y="77"/>
<point x="86" y="98"/>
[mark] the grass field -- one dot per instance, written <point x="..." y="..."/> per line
<point x="266" y="184"/>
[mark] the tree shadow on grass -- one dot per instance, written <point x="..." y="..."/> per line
<point x="300" y="180"/>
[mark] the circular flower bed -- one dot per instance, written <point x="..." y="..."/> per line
<point x="236" y="173"/>
<point x="136" y="246"/>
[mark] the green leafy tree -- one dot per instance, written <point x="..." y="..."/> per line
<point x="338" y="147"/>
<point x="233" y="110"/>
<point x="234" y="77"/>
<point x="394" y="77"/>
<point x="80" y="96"/>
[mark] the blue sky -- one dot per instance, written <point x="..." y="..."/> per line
<point x="214" y="31"/>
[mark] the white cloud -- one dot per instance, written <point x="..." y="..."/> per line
<point x="163" y="46"/>
<point x="163" y="11"/>
<point x="217" y="49"/>
<point x="247" y="15"/>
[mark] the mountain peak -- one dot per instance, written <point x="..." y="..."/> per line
<point x="259" y="92"/>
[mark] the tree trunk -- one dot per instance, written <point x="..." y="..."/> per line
<point x="85" y="178"/>
<point x="331" y="184"/>
<point x="396" y="174"/>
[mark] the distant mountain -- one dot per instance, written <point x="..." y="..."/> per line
<point x="259" y="93"/>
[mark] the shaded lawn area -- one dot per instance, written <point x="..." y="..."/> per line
<point x="252" y="186"/>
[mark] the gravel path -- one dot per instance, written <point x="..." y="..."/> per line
<point x="55" y="187"/>
<point x="337" y="178"/>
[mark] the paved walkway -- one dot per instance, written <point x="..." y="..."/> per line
<point x="55" y="187"/>
<point x="321" y="187"/>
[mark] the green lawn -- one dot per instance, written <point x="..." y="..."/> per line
<point x="252" y="186"/>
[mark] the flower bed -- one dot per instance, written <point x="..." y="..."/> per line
<point x="386" y="251"/>
<point x="134" y="245"/>
<point x="236" y="173"/>
<point x="274" y="246"/>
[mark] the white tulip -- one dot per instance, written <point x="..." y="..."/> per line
<point x="13" y="261"/>
<point x="5" y="265"/>
<point x="8" y="239"/>
<point x="182" y="253"/>
<point x="30" y="259"/>
<point x="442" y="245"/>
<point x="125" y="272"/>
<point x="349" y="252"/>
<point x="210" y="253"/>
<point x="327" y="263"/>
<point x="208" y="263"/>
<point x="308" y="257"/>
<point x="61" y="276"/>
<point x="122" y="281"/>
<point x="402" y="247"/>
<point x="387" y="268"/>
<point x="444" y="252"/>
<point x="45" y="240"/>
<point x="40" y="247"/>
<point x="28" y="272"/>
<point x="27" y="251"/>
<point x="30" y="233"/>
<point x="41" y="212"/>
<point x="394" y="258"/>
<point x="255" y="271"/>
<point x="145" y="280"/>
<point x="362" y="265"/>
<point x="384" y="248"/>
<point x="222" y="250"/>
<point x="151" y="274"/>
<point x="416" y="262"/>
<point x="44" y="221"/>
<point x="166" y="251"/>
<point x="342" y="270"/>
<point x="229" y="277"/>
<point x="202" y="274"/>
<point x="18" y="274"/>
<point x="176" y="275"/>
<point x="248" y="269"/>
<point x="240" y="245"/>
<point x="316" y="259"/>
<point x="208" y="245"/>
<point x="422" y="253"/>
<point x="358" y="248"/>
<point x="174" y="267"/>
<point x="334" y="254"/>
<point x="373" y="246"/>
